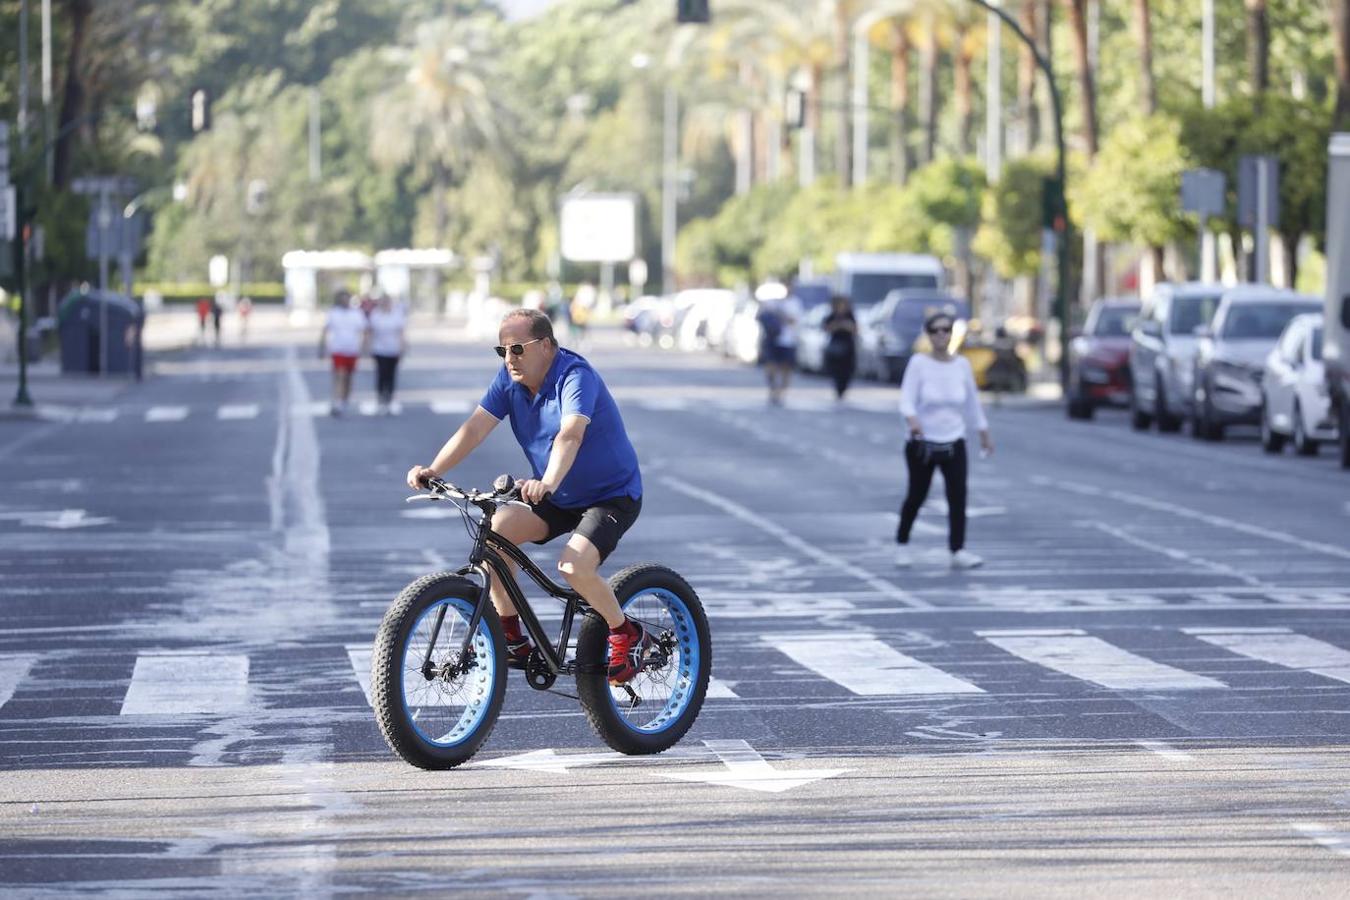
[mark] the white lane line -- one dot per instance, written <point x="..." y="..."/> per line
<point x="101" y="416"/>
<point x="187" y="683"/>
<point x="1293" y="651"/>
<point x="1180" y="556"/>
<point x="1185" y="512"/>
<point x="311" y="408"/>
<point x="867" y="667"/>
<point x="450" y="407"/>
<point x="720" y="690"/>
<point x="1092" y="659"/>
<point x="360" y="655"/>
<point x="232" y="411"/>
<point x="1336" y="841"/>
<point x="296" y="505"/>
<point x="735" y="510"/>
<point x="1165" y="750"/>
<point x="13" y="669"/>
<point x="166" y="414"/>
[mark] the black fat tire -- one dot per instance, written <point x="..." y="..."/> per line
<point x="592" y="649"/>
<point x="1303" y="445"/>
<point x="1271" y="440"/>
<point x="386" y="672"/>
<point x="1167" y="422"/>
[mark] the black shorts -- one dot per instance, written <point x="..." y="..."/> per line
<point x="602" y="524"/>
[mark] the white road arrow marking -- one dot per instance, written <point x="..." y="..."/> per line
<point x="745" y="768"/>
<point x="64" y="518"/>
<point x="550" y="761"/>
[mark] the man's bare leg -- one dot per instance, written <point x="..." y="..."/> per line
<point x="580" y="565"/>
<point x="518" y="525"/>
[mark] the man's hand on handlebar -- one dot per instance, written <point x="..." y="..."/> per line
<point x="419" y="475"/>
<point x="533" y="491"/>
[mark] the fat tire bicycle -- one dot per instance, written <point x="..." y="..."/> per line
<point x="439" y="664"/>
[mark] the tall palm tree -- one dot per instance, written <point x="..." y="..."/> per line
<point x="1339" y="11"/>
<point x="443" y="109"/>
<point x="1258" y="45"/>
<point x="1087" y="88"/>
<point x="929" y="85"/>
<point x="1028" y="113"/>
<point x="902" y="48"/>
<point x="1143" y="33"/>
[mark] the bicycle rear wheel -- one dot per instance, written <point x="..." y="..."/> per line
<point x="434" y="708"/>
<point x="654" y="710"/>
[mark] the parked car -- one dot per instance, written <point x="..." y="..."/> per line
<point x="1162" y="352"/>
<point x="1099" y="358"/>
<point x="812" y="338"/>
<point x="703" y="317"/>
<point x="889" y="330"/>
<point x="1336" y="311"/>
<point x="1294" y="399"/>
<point x="1231" y="353"/>
<point x="866" y="278"/>
<point x="744" y="333"/>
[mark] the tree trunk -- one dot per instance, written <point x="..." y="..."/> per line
<point x="1339" y="10"/>
<point x="1143" y="31"/>
<point x="902" y="154"/>
<point x="440" y="182"/>
<point x="74" y="95"/>
<point x="1077" y="10"/>
<point x="928" y="91"/>
<point x="811" y="133"/>
<point x="843" y="160"/>
<point x="1258" y="45"/>
<point x="1027" y="114"/>
<point x="964" y="58"/>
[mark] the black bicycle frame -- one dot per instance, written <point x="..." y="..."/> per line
<point x="490" y="556"/>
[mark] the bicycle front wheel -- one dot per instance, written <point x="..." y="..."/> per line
<point x="435" y="707"/>
<point x="653" y="711"/>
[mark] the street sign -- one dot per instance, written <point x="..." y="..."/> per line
<point x="1202" y="191"/>
<point x="599" y="227"/>
<point x="1250" y="170"/>
<point x="9" y="213"/>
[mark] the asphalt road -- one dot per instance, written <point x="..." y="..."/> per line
<point x="1145" y="690"/>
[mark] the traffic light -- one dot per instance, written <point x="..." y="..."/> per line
<point x="694" y="11"/>
<point x="1052" y="204"/>
<point x="201" y="111"/>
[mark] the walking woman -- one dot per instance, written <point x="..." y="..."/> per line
<point x="841" y="356"/>
<point x="387" y="324"/>
<point x="939" y="402"/>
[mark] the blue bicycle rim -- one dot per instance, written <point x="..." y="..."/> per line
<point x="446" y="715"/>
<point x="673" y="686"/>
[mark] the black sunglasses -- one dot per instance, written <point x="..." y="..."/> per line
<point x="940" y="329"/>
<point x="516" y="349"/>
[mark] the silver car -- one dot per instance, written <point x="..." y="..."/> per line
<point x="1162" y="352"/>
<point x="1295" y="403"/>
<point x="1231" y="355"/>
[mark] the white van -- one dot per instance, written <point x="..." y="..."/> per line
<point x="866" y="278"/>
<point x="1336" y="316"/>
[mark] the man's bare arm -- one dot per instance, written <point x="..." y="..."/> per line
<point x="465" y="440"/>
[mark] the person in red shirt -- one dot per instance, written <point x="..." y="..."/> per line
<point x="203" y="310"/>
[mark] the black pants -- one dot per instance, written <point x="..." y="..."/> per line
<point x="386" y="367"/>
<point x="921" y="466"/>
<point x="840" y="366"/>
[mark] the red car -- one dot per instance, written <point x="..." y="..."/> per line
<point x="1099" y="358"/>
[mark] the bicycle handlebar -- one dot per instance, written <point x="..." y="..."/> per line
<point x="505" y="489"/>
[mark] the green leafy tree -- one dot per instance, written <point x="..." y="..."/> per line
<point x="1010" y="227"/>
<point x="1131" y="192"/>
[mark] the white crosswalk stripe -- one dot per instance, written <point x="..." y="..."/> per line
<point x="1088" y="658"/>
<point x="451" y="407"/>
<point x="232" y="411"/>
<point x="13" y="669"/>
<point x="1281" y="647"/>
<point x="720" y="690"/>
<point x="166" y="414"/>
<point x="868" y="667"/>
<point x="360" y="654"/>
<point x="186" y="684"/>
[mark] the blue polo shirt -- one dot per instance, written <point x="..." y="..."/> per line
<point x="606" y="465"/>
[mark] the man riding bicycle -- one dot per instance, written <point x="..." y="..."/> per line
<point x="586" y="478"/>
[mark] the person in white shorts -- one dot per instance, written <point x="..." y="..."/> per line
<point x="939" y="401"/>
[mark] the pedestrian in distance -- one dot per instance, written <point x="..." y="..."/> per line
<point x="203" y="310"/>
<point x="841" y="351"/>
<point x="344" y="335"/>
<point x="216" y="312"/>
<point x="779" y="313"/>
<point x="388" y="325"/>
<point x="586" y="479"/>
<point x="244" y="309"/>
<point x="939" y="401"/>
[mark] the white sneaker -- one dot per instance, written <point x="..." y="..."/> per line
<point x="903" y="557"/>
<point x="964" y="559"/>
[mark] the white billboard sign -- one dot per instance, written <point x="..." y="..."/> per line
<point x="599" y="228"/>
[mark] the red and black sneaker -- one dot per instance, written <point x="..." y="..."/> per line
<point x="518" y="651"/>
<point x="628" y="647"/>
